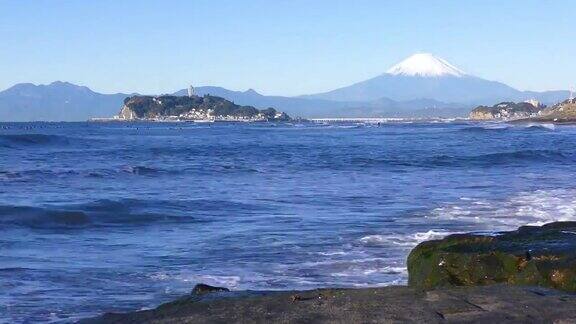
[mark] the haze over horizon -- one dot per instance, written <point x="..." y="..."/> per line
<point x="285" y="48"/>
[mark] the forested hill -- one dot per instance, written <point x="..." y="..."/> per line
<point x="194" y="108"/>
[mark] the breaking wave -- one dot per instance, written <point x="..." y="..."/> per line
<point x="486" y="128"/>
<point x="503" y="127"/>
<point x="526" y="208"/>
<point x="546" y="127"/>
<point x="406" y="240"/>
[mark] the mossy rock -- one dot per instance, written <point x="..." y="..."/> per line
<point x="532" y="255"/>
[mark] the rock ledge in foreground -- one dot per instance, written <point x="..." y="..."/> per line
<point x="496" y="304"/>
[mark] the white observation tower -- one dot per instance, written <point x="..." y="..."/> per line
<point x="191" y="91"/>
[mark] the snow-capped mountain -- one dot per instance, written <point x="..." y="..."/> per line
<point x="425" y="76"/>
<point x="425" y="65"/>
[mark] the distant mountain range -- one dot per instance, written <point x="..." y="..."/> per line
<point x="58" y="101"/>
<point x="420" y="86"/>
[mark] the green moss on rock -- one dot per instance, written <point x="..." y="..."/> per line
<point x="531" y="255"/>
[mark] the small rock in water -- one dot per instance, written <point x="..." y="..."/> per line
<point x="295" y="298"/>
<point x="201" y="289"/>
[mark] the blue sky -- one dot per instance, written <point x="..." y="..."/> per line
<point x="280" y="47"/>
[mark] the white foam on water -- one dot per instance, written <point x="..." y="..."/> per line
<point x="332" y="253"/>
<point x="360" y="272"/>
<point x="225" y="281"/>
<point x="231" y="282"/>
<point x="484" y="216"/>
<point x="407" y="240"/>
<point x="160" y="276"/>
<point x="365" y="264"/>
<point x="495" y="125"/>
<point x="395" y="282"/>
<point x="539" y="125"/>
<point x="342" y="263"/>
<point x="525" y="208"/>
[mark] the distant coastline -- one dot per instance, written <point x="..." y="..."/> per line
<point x="529" y="111"/>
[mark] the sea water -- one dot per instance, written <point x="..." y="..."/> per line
<point x="101" y="217"/>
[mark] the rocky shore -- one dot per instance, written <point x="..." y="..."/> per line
<point x="507" y="111"/>
<point x="527" y="112"/>
<point x="564" y="112"/>
<point x="522" y="276"/>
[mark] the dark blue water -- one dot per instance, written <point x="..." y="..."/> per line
<point x="101" y="217"/>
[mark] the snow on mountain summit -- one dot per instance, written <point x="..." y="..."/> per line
<point x="425" y="65"/>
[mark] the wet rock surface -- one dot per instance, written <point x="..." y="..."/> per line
<point x="539" y="256"/>
<point x="498" y="303"/>
<point x="202" y="289"/>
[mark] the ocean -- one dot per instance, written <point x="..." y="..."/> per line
<point x="101" y="217"/>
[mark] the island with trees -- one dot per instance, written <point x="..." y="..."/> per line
<point x="193" y="108"/>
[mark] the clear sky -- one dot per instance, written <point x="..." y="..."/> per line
<point x="280" y="47"/>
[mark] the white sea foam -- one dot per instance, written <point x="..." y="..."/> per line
<point x="214" y="280"/>
<point x="368" y="271"/>
<point x="504" y="125"/>
<point x="357" y="265"/>
<point x="407" y="240"/>
<point x="332" y="253"/>
<point x="399" y="281"/>
<point x="539" y="125"/>
<point x="344" y="262"/>
<point x="525" y="208"/>
<point x="496" y="126"/>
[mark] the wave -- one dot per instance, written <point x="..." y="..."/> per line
<point x="404" y="240"/>
<point x="486" y="128"/>
<point x="479" y="160"/>
<point x="546" y="127"/>
<point x="134" y="170"/>
<point x="35" y="174"/>
<point x="117" y="213"/>
<point x="203" y="169"/>
<point x="503" y="127"/>
<point x="227" y="281"/>
<point x="371" y="270"/>
<point x="17" y="140"/>
<point x="39" y="174"/>
<point x="490" y="159"/>
<point x="14" y="269"/>
<point x="143" y="170"/>
<point x="525" y="208"/>
<point x="40" y="217"/>
<point x="485" y="216"/>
